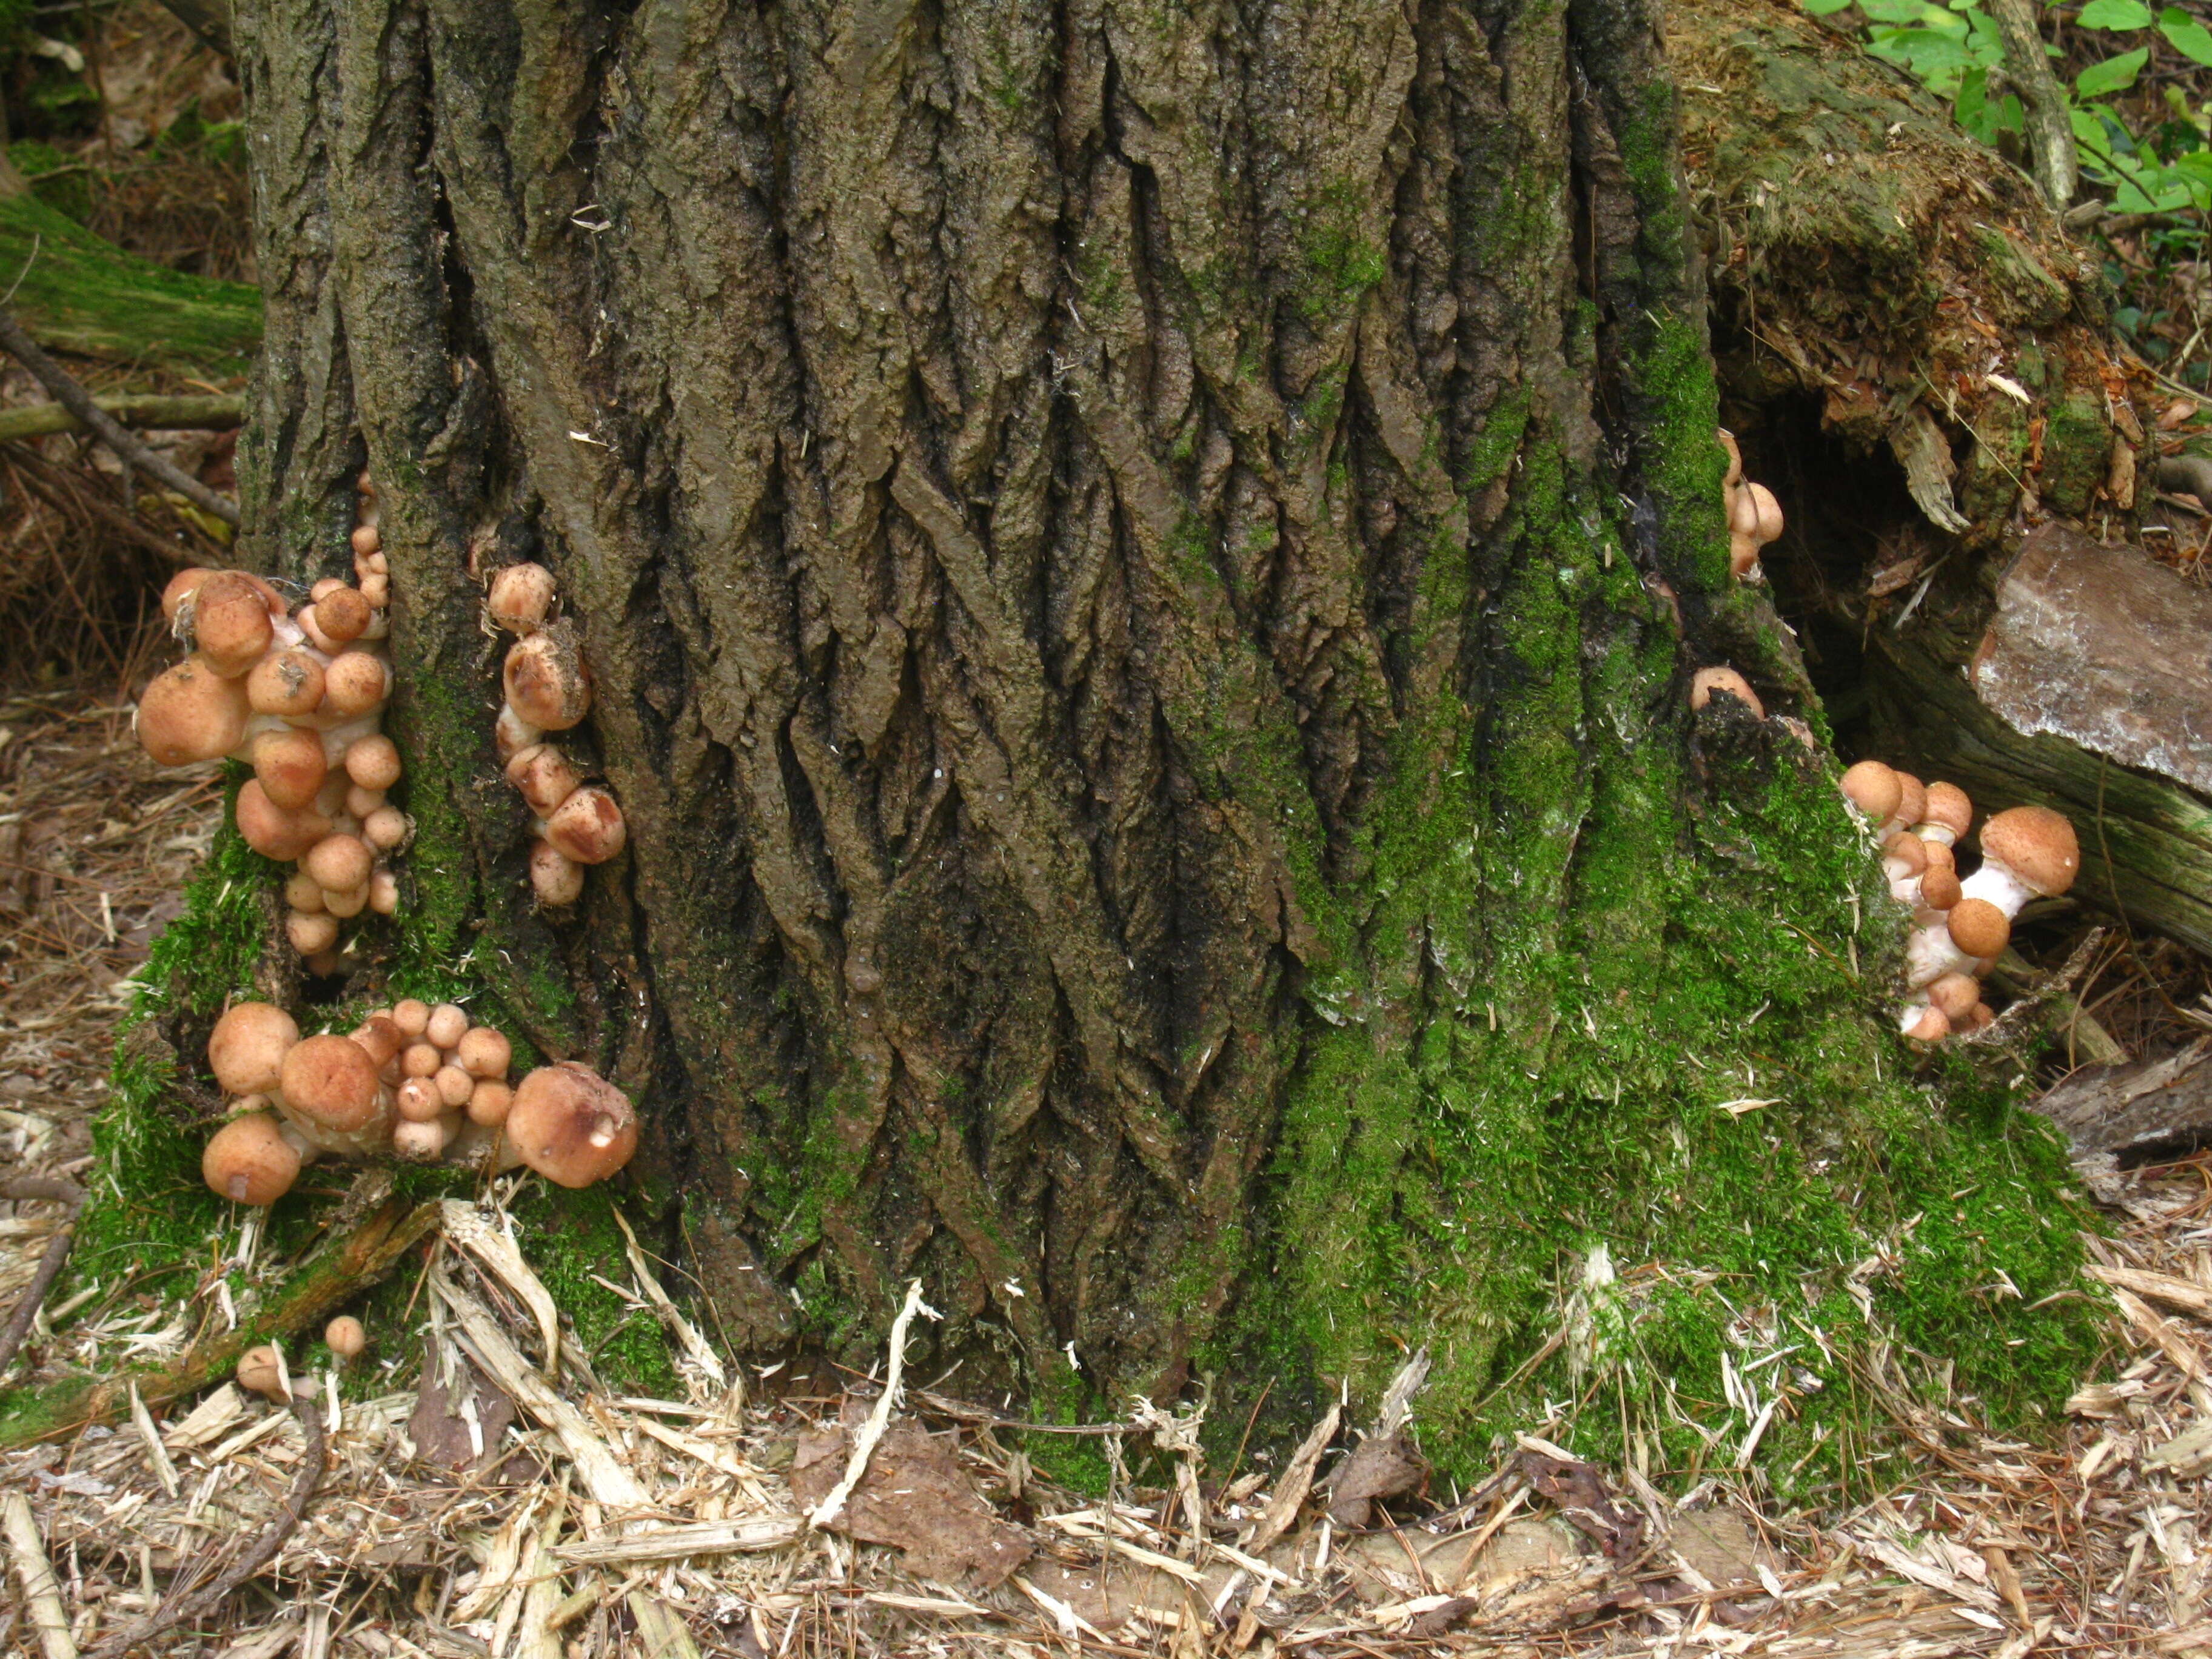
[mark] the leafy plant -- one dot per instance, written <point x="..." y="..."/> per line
<point x="1956" y="50"/>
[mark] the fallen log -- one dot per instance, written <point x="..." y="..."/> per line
<point x="142" y="412"/>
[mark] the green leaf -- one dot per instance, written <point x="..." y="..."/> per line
<point x="2114" y="74"/>
<point x="1823" y="8"/>
<point x="2187" y="35"/>
<point x="2115" y="15"/>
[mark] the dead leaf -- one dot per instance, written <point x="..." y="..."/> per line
<point x="440" y="1427"/>
<point x="915" y="1496"/>
<point x="1381" y="1466"/>
<point x="1580" y="1493"/>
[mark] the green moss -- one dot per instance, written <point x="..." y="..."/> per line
<point x="1342" y="261"/>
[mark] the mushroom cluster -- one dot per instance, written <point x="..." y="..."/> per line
<point x="414" y="1081"/>
<point x="1754" y="517"/>
<point x="549" y="690"/>
<point x="302" y="697"/>
<point x="1960" y="926"/>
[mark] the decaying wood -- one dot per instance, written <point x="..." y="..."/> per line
<point x="50" y="1262"/>
<point x="27" y="1554"/>
<point x="336" y="1272"/>
<point x="2116" y="1113"/>
<point x="2106" y="648"/>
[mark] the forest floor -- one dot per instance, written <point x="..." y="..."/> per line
<point x="675" y="1527"/>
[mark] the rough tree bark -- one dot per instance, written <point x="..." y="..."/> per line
<point x="1141" y="563"/>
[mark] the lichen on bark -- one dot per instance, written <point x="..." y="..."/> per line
<point x="1140" y="564"/>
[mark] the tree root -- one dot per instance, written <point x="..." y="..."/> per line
<point x="362" y="1255"/>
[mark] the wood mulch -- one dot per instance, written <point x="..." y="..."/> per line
<point x="484" y="1512"/>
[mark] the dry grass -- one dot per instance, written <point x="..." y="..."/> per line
<point x="1999" y="1546"/>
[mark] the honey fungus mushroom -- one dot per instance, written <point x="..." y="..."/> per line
<point x="571" y="1124"/>
<point x="253" y="1159"/>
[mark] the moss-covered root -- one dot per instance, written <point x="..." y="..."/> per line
<point x="341" y="1269"/>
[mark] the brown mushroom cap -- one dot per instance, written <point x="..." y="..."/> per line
<point x="287" y="682"/>
<point x="1912" y="798"/>
<point x="556" y="877"/>
<point x="544" y="775"/>
<point x="1704" y="685"/>
<point x="344" y="612"/>
<point x="344" y="1337"/>
<point x="191" y="713"/>
<point x="341" y="863"/>
<point x="520" y="598"/>
<point x="312" y="933"/>
<point x="488" y="1103"/>
<point x="418" y="1100"/>
<point x="1939" y="888"/>
<point x="1874" y="789"/>
<point x="1954" y="993"/>
<point x="410" y="1015"/>
<point x="332" y="1080"/>
<point x="2037" y="845"/>
<point x="385" y="829"/>
<point x="571" y="1124"/>
<point x="420" y="1058"/>
<point x="1940" y="856"/>
<point x="588" y="826"/>
<point x="182" y="586"/>
<point x="248" y="1161"/>
<point x="273" y="831"/>
<point x="1767" y="512"/>
<point x="1978" y="928"/>
<point x="546" y="683"/>
<point x="230" y="622"/>
<point x="259" y="1372"/>
<point x="373" y="761"/>
<point x="484" y="1053"/>
<point x="380" y="1038"/>
<point x="454" y="1085"/>
<point x="1978" y="1018"/>
<point x="418" y="1140"/>
<point x="1928" y="1025"/>
<point x="447" y="1024"/>
<point x="1947" y="807"/>
<point x="356" y="682"/>
<point x="246" y="1051"/>
<point x="1907" y="849"/>
<point x="303" y="891"/>
<point x="383" y="893"/>
<point x="367" y="539"/>
<point x="290" y="766"/>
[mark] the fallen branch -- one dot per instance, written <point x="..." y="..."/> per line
<point x="43" y="1189"/>
<point x="177" y="1609"/>
<point x="219" y="413"/>
<point x="79" y="403"/>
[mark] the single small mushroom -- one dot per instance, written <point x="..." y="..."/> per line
<point x="345" y="614"/>
<point x="190" y="714"/>
<point x="521" y="598"/>
<point x="418" y="1100"/>
<point x="557" y="878"/>
<point x="341" y="863"/>
<point x="1709" y="682"/>
<point x="291" y="765"/>
<point x="447" y="1024"/>
<point x="410" y="1015"/>
<point x="331" y="1082"/>
<point x="373" y="762"/>
<point x="546" y="683"/>
<point x="488" y="1103"/>
<point x="252" y="1160"/>
<point x="344" y="1337"/>
<point x="1913" y="798"/>
<point x="454" y="1085"/>
<point x="356" y="682"/>
<point x="383" y="893"/>
<point x="544" y="777"/>
<point x="1925" y="1024"/>
<point x="419" y="1142"/>
<point x="1946" y="814"/>
<point x="1874" y="790"/>
<point x="261" y="1371"/>
<point x="230" y="622"/>
<point x="588" y="826"/>
<point x="274" y="832"/>
<point x="571" y="1124"/>
<point x="1954" y="993"/>
<point x="287" y="684"/>
<point x="246" y="1051"/>
<point x="312" y="932"/>
<point x="484" y="1053"/>
<point x="420" y="1058"/>
<point x="2027" y="852"/>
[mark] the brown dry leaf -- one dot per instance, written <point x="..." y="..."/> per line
<point x="1381" y="1466"/>
<point x="1580" y="1493"/>
<point x="440" y="1426"/>
<point x="913" y="1495"/>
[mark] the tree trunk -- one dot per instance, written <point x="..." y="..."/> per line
<point x="1141" y="565"/>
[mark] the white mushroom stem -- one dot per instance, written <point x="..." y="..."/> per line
<point x="1996" y="884"/>
<point x="1931" y="952"/>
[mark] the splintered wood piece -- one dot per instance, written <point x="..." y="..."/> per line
<point x="2105" y="648"/>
